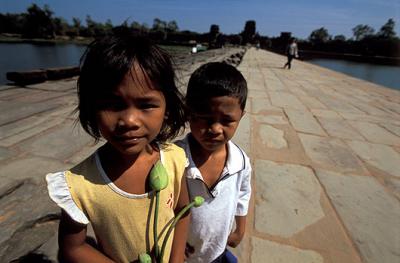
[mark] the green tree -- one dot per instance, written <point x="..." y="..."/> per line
<point x="61" y="26"/>
<point x="172" y="26"/>
<point x="136" y="26"/>
<point x="362" y="31"/>
<point x="76" y="26"/>
<point x="140" y="28"/>
<point x="319" y="35"/>
<point x="90" y="26"/>
<point x="12" y="23"/>
<point x="39" y="23"/>
<point x="387" y="30"/>
<point x="108" y="26"/>
<point x="159" y="25"/>
<point x="160" y="29"/>
<point x="339" y="38"/>
<point x="97" y="29"/>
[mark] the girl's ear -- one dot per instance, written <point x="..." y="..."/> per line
<point x="166" y="115"/>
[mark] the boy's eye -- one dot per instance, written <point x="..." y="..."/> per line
<point x="227" y="121"/>
<point x="201" y="117"/>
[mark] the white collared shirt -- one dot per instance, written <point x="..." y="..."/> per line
<point x="212" y="223"/>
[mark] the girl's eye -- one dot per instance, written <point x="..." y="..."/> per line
<point x="110" y="105"/>
<point x="148" y="106"/>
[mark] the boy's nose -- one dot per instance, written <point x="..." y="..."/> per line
<point x="215" y="128"/>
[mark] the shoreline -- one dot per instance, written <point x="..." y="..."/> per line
<point x="374" y="60"/>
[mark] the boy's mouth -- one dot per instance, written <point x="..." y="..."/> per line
<point x="213" y="141"/>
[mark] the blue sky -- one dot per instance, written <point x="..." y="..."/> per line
<point x="300" y="17"/>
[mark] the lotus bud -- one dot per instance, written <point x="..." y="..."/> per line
<point x="198" y="201"/>
<point x="158" y="177"/>
<point x="144" y="258"/>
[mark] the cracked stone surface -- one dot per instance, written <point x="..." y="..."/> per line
<point x="304" y="121"/>
<point x="290" y="198"/>
<point x="375" y="133"/>
<point x="271" y="252"/>
<point x="331" y="153"/>
<point x="381" y="156"/>
<point x="375" y="231"/>
<point x="272" y="137"/>
<point x="25" y="199"/>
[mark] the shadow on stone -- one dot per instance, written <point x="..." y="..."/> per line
<point x="33" y="258"/>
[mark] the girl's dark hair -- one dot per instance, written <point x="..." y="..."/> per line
<point x="213" y="80"/>
<point x="105" y="63"/>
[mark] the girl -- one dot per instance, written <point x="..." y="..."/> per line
<point x="127" y="95"/>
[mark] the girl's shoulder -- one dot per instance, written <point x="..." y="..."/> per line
<point x="59" y="192"/>
<point x="171" y="150"/>
<point x="62" y="185"/>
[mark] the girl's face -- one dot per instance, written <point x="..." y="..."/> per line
<point x="132" y="116"/>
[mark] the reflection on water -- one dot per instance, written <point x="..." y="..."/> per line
<point x="23" y="57"/>
<point x="388" y="76"/>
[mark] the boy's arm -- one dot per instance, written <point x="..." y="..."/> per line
<point x="181" y="228"/>
<point x="236" y="236"/>
<point x="242" y="207"/>
<point x="72" y="243"/>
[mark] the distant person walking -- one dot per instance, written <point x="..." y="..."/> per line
<point x="291" y="52"/>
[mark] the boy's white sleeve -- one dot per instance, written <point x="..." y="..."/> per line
<point x="60" y="194"/>
<point x="245" y="190"/>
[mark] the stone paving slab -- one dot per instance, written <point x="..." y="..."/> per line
<point x="371" y="218"/>
<point x="270" y="252"/>
<point x="289" y="200"/>
<point x="325" y="155"/>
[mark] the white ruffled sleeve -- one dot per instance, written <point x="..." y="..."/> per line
<point x="60" y="194"/>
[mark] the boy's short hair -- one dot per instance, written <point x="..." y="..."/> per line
<point x="105" y="63"/>
<point x="215" y="79"/>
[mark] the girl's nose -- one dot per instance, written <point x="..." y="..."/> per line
<point x="129" y="118"/>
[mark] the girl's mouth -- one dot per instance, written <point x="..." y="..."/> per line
<point x="129" y="140"/>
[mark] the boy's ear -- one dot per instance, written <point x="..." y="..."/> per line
<point x="243" y="113"/>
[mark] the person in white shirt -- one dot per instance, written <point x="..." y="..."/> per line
<point x="291" y="52"/>
<point x="218" y="170"/>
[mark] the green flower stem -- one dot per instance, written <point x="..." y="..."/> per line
<point x="156" y="248"/>
<point x="171" y="227"/>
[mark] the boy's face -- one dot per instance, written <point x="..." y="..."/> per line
<point x="215" y="123"/>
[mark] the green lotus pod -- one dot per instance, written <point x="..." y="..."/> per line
<point x="198" y="201"/>
<point x="144" y="258"/>
<point x="158" y="177"/>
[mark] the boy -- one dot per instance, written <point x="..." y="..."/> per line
<point x="218" y="169"/>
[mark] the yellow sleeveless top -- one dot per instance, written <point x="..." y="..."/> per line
<point x="123" y="222"/>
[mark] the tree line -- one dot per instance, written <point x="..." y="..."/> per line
<point x="41" y="23"/>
